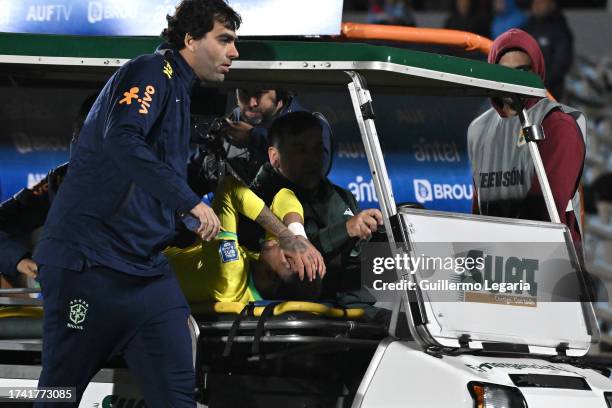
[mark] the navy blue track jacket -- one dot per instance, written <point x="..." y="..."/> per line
<point x="127" y="180"/>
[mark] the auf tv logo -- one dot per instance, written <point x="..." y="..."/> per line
<point x="424" y="191"/>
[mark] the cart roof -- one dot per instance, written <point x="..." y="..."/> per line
<point x="284" y="63"/>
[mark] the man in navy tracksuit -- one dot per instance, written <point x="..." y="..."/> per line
<point x="106" y="286"/>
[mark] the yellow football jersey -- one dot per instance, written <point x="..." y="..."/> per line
<point x="218" y="271"/>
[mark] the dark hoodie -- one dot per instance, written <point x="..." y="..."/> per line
<point x="562" y="150"/>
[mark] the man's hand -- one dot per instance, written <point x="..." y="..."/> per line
<point x="209" y="222"/>
<point x="28" y="268"/>
<point x="364" y="224"/>
<point x="239" y="133"/>
<point x="303" y="258"/>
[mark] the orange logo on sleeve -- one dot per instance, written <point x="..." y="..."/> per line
<point x="128" y="96"/>
<point x="145" y="102"/>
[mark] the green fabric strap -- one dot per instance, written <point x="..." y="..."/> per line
<point x="227" y="235"/>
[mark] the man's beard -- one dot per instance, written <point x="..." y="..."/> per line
<point x="261" y="120"/>
<point x="256" y="121"/>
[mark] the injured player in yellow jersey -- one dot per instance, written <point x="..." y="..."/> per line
<point x="223" y="271"/>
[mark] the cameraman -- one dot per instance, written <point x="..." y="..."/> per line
<point x="245" y="138"/>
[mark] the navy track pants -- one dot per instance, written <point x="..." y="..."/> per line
<point x="94" y="314"/>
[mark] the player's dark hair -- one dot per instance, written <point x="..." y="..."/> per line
<point x="197" y="17"/>
<point x="291" y="124"/>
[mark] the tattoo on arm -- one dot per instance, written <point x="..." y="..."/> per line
<point x="271" y="223"/>
<point x="286" y="240"/>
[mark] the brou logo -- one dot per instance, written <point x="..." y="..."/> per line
<point x="144" y="102"/>
<point x="78" y="313"/>
<point x="424" y="191"/>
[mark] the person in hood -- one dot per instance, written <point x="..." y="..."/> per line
<point x="107" y="287"/>
<point x="507" y="15"/>
<point x="332" y="220"/>
<point x="505" y="181"/>
<point x="548" y="26"/>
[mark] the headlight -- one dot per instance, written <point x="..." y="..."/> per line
<point x="496" y="396"/>
<point x="608" y="397"/>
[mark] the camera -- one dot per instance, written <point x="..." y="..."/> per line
<point x="215" y="156"/>
<point x="209" y="136"/>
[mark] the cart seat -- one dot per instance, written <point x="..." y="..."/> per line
<point x="286" y="349"/>
<point x="228" y="326"/>
<point x="279" y="308"/>
<point x="20" y="322"/>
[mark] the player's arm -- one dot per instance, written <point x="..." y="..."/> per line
<point x="129" y="123"/>
<point x="302" y="256"/>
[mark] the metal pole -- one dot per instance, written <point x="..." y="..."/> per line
<point x="362" y="104"/>
<point x="533" y="133"/>
<point x="362" y="101"/>
<point x="395" y="312"/>
<point x="18" y="291"/>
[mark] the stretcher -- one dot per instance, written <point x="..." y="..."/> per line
<point x="261" y="349"/>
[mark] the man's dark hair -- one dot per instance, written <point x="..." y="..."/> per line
<point x="197" y="17"/>
<point x="291" y="124"/>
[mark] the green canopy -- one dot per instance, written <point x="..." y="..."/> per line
<point x="277" y="63"/>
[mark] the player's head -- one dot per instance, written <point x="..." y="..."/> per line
<point x="516" y="49"/>
<point x="204" y="31"/>
<point x="296" y="148"/>
<point x="275" y="280"/>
